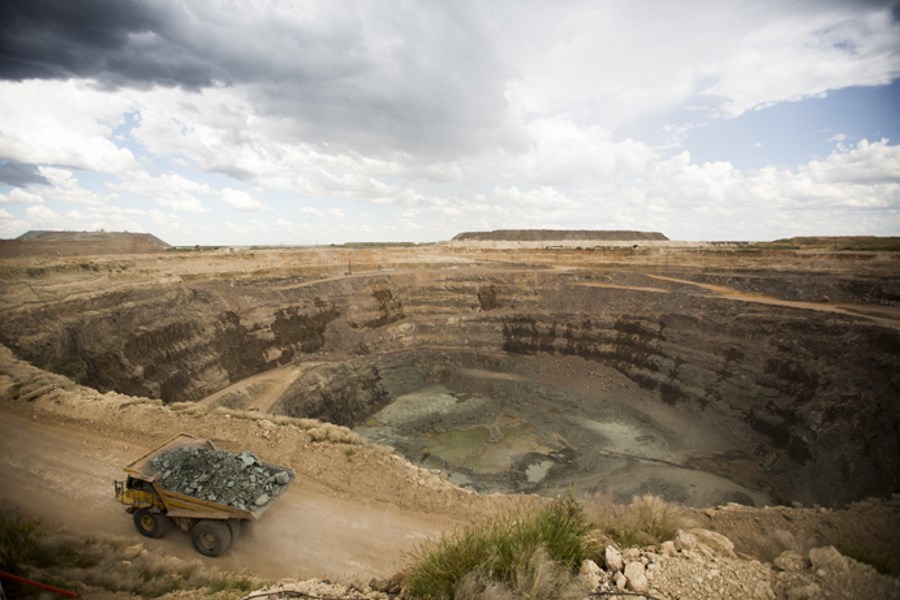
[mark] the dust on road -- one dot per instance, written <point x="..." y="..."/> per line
<point x="63" y="475"/>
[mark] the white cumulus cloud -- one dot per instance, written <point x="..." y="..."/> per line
<point x="21" y="196"/>
<point x="63" y="123"/>
<point x="241" y="200"/>
<point x="169" y="190"/>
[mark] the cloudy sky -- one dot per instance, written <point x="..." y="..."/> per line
<point x="315" y="122"/>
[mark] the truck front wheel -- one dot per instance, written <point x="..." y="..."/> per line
<point x="151" y="524"/>
<point x="211" y="538"/>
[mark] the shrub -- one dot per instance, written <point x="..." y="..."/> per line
<point x="232" y="583"/>
<point x="19" y="542"/>
<point x="519" y="552"/>
<point x="104" y="562"/>
<point x="540" y="578"/>
<point x="647" y="520"/>
<point x="19" y="547"/>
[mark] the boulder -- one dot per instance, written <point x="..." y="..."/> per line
<point x="590" y="575"/>
<point x="614" y="559"/>
<point x="790" y="561"/>
<point x="636" y="577"/>
<point x="620" y="580"/>
<point x="716" y="542"/>
<point x="827" y="558"/>
<point x="685" y="540"/>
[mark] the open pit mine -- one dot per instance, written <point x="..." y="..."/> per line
<point x="702" y="373"/>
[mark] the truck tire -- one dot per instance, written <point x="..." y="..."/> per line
<point x="151" y="524"/>
<point x="211" y="538"/>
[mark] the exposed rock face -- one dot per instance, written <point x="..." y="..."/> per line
<point x="809" y="397"/>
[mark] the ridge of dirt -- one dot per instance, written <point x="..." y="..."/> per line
<point x="550" y="235"/>
<point x="81" y="243"/>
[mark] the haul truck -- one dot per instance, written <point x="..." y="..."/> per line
<point x="156" y="510"/>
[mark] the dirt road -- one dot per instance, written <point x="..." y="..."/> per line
<point x="63" y="475"/>
<point x="883" y="315"/>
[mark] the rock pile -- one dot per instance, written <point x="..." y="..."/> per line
<point x="700" y="564"/>
<point x="238" y="480"/>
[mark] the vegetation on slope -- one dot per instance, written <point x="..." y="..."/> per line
<point x="102" y="562"/>
<point x="646" y="521"/>
<point x="520" y="554"/>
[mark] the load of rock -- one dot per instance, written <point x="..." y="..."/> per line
<point x="238" y="480"/>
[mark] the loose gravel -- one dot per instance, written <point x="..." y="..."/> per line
<point x="237" y="480"/>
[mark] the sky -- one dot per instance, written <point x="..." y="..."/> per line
<point x="221" y="122"/>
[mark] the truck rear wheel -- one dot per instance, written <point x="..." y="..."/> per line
<point x="211" y="538"/>
<point x="235" y="526"/>
<point x="151" y="524"/>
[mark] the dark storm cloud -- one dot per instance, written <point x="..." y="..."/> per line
<point x="114" y="41"/>
<point x="19" y="175"/>
<point x="425" y="77"/>
<point x="376" y="76"/>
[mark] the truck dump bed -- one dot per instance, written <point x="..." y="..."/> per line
<point x="186" y="505"/>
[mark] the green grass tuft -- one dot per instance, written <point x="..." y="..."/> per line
<point x="503" y="552"/>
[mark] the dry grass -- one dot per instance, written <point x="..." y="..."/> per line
<point x="538" y="578"/>
<point x="103" y="562"/>
<point x="111" y="564"/>
<point x="648" y="520"/>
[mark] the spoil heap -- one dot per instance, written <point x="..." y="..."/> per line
<point x="550" y="235"/>
<point x="238" y="480"/>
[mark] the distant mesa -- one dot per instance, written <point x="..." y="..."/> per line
<point x="509" y="239"/>
<point x="82" y="243"/>
<point x="559" y="235"/>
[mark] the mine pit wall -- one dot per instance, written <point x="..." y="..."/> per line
<point x="816" y="396"/>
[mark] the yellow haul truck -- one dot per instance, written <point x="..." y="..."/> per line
<point x="156" y="510"/>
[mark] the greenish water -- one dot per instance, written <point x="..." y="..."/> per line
<point x="486" y="449"/>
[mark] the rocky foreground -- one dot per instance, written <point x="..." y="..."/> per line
<point x="697" y="565"/>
